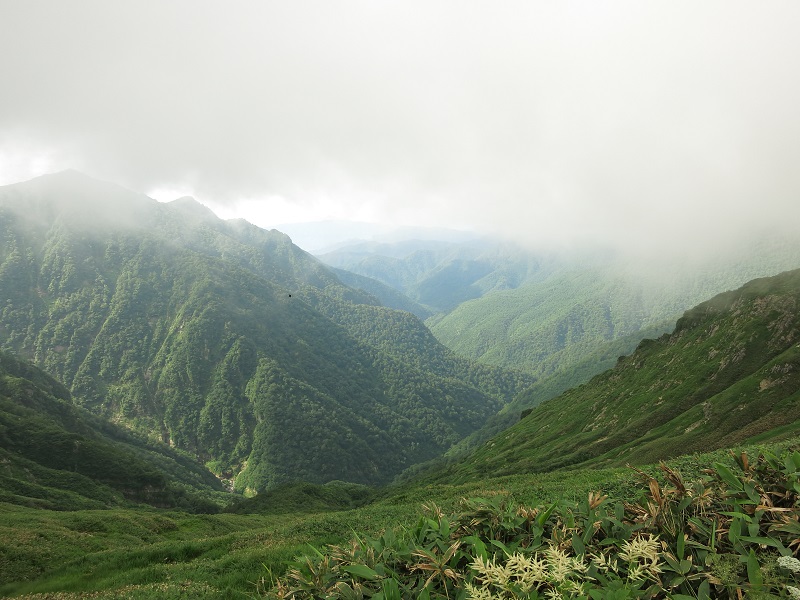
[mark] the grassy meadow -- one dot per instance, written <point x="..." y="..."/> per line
<point x="150" y="553"/>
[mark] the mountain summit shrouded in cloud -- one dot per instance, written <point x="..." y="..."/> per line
<point x="225" y="340"/>
<point x="644" y="126"/>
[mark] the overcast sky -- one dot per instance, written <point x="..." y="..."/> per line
<point x="639" y="122"/>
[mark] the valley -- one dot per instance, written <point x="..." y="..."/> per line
<point x="227" y="341"/>
<point x="187" y="403"/>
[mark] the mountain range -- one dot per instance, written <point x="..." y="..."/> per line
<point x="729" y="374"/>
<point x="155" y="357"/>
<point x="562" y="316"/>
<point x="225" y="340"/>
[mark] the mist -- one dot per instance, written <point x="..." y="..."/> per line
<point x="649" y="128"/>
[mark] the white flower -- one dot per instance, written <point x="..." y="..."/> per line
<point x="554" y="594"/>
<point x="636" y="573"/>
<point x="790" y="563"/>
<point x="645" y="548"/>
<point x="560" y="564"/>
<point x="528" y="571"/>
<point x="491" y="573"/>
<point x="794" y="593"/>
<point x="478" y="593"/>
<point x="605" y="563"/>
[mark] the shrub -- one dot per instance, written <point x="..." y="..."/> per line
<point x="730" y="533"/>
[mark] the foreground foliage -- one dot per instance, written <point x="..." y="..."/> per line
<point x="151" y="554"/>
<point x="731" y="533"/>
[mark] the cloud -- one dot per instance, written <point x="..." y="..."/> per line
<point x="557" y="122"/>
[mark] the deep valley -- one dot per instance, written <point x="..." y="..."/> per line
<point x="186" y="403"/>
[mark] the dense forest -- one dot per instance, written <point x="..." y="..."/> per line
<point x="562" y="317"/>
<point x="59" y="456"/>
<point x="227" y="341"/>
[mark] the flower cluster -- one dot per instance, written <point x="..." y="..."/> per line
<point x="792" y="565"/>
<point x="642" y="556"/>
<point x="552" y="571"/>
<point x="789" y="563"/>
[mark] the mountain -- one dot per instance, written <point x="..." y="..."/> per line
<point x="728" y="374"/>
<point x="319" y="237"/>
<point x="225" y="340"/>
<point x="388" y="296"/>
<point x="56" y="455"/>
<point x="563" y="318"/>
<point x="439" y="274"/>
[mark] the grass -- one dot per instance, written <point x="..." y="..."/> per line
<point x="681" y="538"/>
<point x="147" y="553"/>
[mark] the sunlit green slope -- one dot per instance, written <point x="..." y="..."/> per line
<point x="729" y="373"/>
<point x="549" y="326"/>
<point x="56" y="455"/>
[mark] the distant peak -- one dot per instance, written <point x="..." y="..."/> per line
<point x="184" y="201"/>
<point x="71" y="185"/>
<point x="73" y="175"/>
<point x="70" y="173"/>
<point x="188" y="205"/>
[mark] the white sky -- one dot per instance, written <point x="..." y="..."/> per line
<point x="640" y="123"/>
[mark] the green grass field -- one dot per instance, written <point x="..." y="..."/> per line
<point x="148" y="553"/>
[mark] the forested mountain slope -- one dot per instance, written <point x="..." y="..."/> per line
<point x="729" y="373"/>
<point x="441" y="275"/>
<point x="226" y="340"/>
<point x="562" y="317"/>
<point x="389" y="296"/>
<point x="548" y="326"/>
<point x="56" y="455"/>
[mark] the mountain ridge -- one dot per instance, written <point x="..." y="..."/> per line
<point x="230" y="342"/>
<point x="728" y="374"/>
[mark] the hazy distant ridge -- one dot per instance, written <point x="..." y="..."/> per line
<point x="226" y="340"/>
<point x="728" y="374"/>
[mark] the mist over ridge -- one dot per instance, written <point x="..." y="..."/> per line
<point x="649" y="129"/>
<point x="314" y="265"/>
<point x="225" y="340"/>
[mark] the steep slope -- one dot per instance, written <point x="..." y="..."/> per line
<point x="563" y="318"/>
<point x="596" y="361"/>
<point x="225" y="340"/>
<point x="388" y="296"/>
<point x="55" y="455"/>
<point x="545" y="327"/>
<point x="441" y="275"/>
<point x="729" y="373"/>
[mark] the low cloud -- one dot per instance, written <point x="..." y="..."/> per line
<point x="641" y="125"/>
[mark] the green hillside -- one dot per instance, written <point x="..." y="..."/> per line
<point x="441" y="275"/>
<point x="728" y="374"/>
<point x="602" y="358"/>
<point x="156" y="554"/>
<point x="563" y="318"/>
<point x="226" y="340"/>
<point x="56" y="455"/>
<point x="550" y="326"/>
